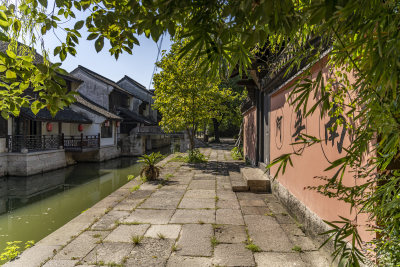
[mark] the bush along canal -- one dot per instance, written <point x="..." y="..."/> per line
<point x="35" y="206"/>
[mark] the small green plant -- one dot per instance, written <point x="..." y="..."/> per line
<point x="200" y="222"/>
<point x="131" y="177"/>
<point x="270" y="214"/>
<point x="195" y="156"/>
<point x="216" y="226"/>
<point x="178" y="157"/>
<point x="13" y="249"/>
<point x="214" y="241"/>
<point x="96" y="235"/>
<point x="237" y="153"/>
<point x="297" y="249"/>
<point x="135" y="188"/>
<point x="150" y="170"/>
<point x="216" y="199"/>
<point x="169" y="175"/>
<point x="161" y="236"/>
<point x="251" y="246"/>
<point x="137" y="239"/>
<point x="174" y="248"/>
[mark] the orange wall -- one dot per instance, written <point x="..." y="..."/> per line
<point x="250" y="133"/>
<point x="314" y="159"/>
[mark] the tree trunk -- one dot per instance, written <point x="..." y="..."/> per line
<point x="216" y="130"/>
<point x="191" y="139"/>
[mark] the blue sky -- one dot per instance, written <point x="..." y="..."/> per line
<point x="138" y="66"/>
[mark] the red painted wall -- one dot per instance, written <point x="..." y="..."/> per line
<point x="285" y="124"/>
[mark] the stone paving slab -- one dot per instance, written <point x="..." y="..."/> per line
<point x="61" y="263"/>
<point x="200" y="194"/>
<point x="150" y="252"/>
<point x="252" y="203"/>
<point x="81" y="245"/>
<point x="195" y="240"/>
<point x="273" y="259"/>
<point x="315" y="258"/>
<point x="193" y="216"/>
<point x="229" y="216"/>
<point x="233" y="255"/>
<point x="152" y="216"/>
<point x="230" y="233"/>
<point x="228" y="204"/>
<point x="124" y="233"/>
<point x="185" y="261"/>
<point x="168" y="231"/>
<point x="202" y="184"/>
<point x="161" y="203"/>
<point x="249" y="210"/>
<point x="107" y="222"/>
<point x="108" y="253"/>
<point x="194" y="203"/>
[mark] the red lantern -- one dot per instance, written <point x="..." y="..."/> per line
<point x="80" y="127"/>
<point x="49" y="127"/>
<point x="118" y="123"/>
<point x="107" y="123"/>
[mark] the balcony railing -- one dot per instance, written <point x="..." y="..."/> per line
<point x="33" y="143"/>
<point x="81" y="142"/>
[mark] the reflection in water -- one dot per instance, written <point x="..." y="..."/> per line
<point x="33" y="207"/>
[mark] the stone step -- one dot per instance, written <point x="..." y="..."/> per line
<point x="256" y="180"/>
<point x="238" y="183"/>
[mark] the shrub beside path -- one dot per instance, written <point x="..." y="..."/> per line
<point x="192" y="219"/>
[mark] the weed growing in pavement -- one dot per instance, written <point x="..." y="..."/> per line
<point x="135" y="188"/>
<point x="214" y="241"/>
<point x="161" y="236"/>
<point x="297" y="249"/>
<point x="137" y="239"/>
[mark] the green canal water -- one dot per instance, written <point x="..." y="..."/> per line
<point x="35" y="206"/>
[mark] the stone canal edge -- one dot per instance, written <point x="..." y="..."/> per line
<point x="193" y="218"/>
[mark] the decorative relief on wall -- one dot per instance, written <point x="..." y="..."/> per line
<point x="279" y="131"/>
<point x="333" y="138"/>
<point x="298" y="126"/>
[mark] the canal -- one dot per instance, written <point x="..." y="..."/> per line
<point x="35" y="206"/>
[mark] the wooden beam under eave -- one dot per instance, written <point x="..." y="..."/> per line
<point x="254" y="76"/>
<point x="248" y="82"/>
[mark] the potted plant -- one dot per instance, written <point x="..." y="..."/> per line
<point x="150" y="170"/>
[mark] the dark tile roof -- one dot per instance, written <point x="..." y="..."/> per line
<point x="130" y="116"/>
<point x="64" y="115"/>
<point x="91" y="106"/>
<point x="103" y="79"/>
<point x="139" y="85"/>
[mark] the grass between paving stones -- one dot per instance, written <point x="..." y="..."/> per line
<point x="137" y="239"/>
<point x="249" y="243"/>
<point x="253" y="247"/>
<point x="161" y="236"/>
<point x="216" y="226"/>
<point x="214" y="241"/>
<point x="135" y="188"/>
<point x="174" y="248"/>
<point x="297" y="249"/>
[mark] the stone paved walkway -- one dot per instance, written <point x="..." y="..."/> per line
<point x="195" y="219"/>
